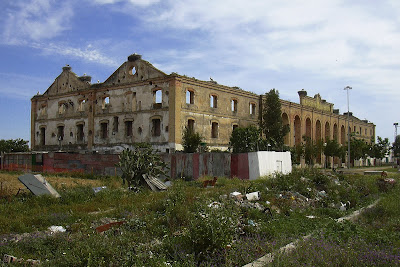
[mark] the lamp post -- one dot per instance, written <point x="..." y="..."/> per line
<point x="396" y="124"/>
<point x="347" y="88"/>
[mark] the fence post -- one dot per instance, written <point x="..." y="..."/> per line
<point x="2" y="160"/>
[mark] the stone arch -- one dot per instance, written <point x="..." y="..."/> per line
<point x="342" y="135"/>
<point x="318" y="129"/>
<point x="308" y="128"/>
<point x="327" y="131"/>
<point x="335" y="132"/>
<point x="285" y="121"/>
<point x="297" y="130"/>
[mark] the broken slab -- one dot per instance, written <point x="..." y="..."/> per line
<point x="154" y="183"/>
<point x="38" y="185"/>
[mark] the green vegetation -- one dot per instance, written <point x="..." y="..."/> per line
<point x="272" y="125"/>
<point x="14" y="145"/>
<point x="245" y="139"/>
<point x="142" y="160"/>
<point x="191" y="141"/>
<point x="396" y="146"/>
<point x="189" y="225"/>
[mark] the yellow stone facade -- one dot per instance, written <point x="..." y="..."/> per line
<point x="139" y="103"/>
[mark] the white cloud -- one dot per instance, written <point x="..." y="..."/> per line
<point x="89" y="53"/>
<point x="141" y="3"/>
<point x="36" y="20"/>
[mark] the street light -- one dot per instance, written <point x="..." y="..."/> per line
<point x="348" y="125"/>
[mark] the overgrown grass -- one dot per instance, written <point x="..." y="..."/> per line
<point x="181" y="228"/>
<point x="372" y="240"/>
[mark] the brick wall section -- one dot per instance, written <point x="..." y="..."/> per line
<point x="192" y="166"/>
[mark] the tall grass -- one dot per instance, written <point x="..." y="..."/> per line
<point x="178" y="227"/>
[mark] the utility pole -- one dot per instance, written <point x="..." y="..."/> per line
<point x="396" y="124"/>
<point x="347" y="88"/>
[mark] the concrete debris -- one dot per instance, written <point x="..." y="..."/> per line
<point x="98" y="189"/>
<point x="56" y="229"/>
<point x="253" y="196"/>
<point x="168" y="183"/>
<point x="38" y="185"/>
<point x="311" y="216"/>
<point x="322" y="193"/>
<point x="236" y="195"/>
<point x="12" y="259"/>
<point x="343" y="206"/>
<point x="215" y="205"/>
<point x="154" y="183"/>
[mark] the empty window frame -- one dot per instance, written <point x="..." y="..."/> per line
<point x="213" y="101"/>
<point x="115" y="124"/>
<point x="252" y="108"/>
<point x="42" y="136"/>
<point x="62" y="107"/>
<point x="235" y="126"/>
<point x="234" y="105"/>
<point x="190" y="125"/>
<point x="79" y="132"/>
<point x="60" y="132"/>
<point x="189" y="97"/>
<point x="104" y="130"/>
<point x="105" y="102"/>
<point x="128" y="128"/>
<point x="214" y="130"/>
<point x="157" y="98"/>
<point x="156" y="129"/>
<point x="81" y="105"/>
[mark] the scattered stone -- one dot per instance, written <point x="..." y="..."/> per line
<point x="253" y="196"/>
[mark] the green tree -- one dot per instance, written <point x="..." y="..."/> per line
<point x="139" y="161"/>
<point x="191" y="141"/>
<point x="14" y="145"/>
<point x="380" y="149"/>
<point x="331" y="149"/>
<point x="296" y="152"/>
<point x="358" y="149"/>
<point x="396" y="146"/>
<point x="271" y="120"/>
<point x="245" y="139"/>
<point x="310" y="150"/>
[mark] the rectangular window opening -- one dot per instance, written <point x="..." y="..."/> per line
<point x="128" y="128"/>
<point x="214" y="130"/>
<point x="213" y="101"/>
<point x="104" y="130"/>
<point x="79" y="135"/>
<point x="191" y="125"/>
<point x="115" y="124"/>
<point x="60" y="133"/>
<point x="234" y="105"/>
<point x="252" y="108"/>
<point x="189" y="97"/>
<point x="156" y="127"/>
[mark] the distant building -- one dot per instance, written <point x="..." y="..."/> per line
<point x="139" y="103"/>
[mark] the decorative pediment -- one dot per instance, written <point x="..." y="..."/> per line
<point x="68" y="81"/>
<point x="134" y="70"/>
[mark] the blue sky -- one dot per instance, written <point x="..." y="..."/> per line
<point x="321" y="46"/>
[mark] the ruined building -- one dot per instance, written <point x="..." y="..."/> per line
<point x="139" y="103"/>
